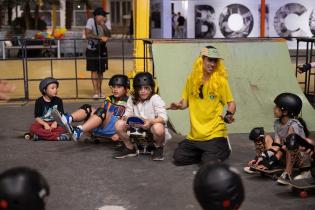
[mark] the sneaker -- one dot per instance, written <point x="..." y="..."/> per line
<point x="119" y="145"/>
<point x="76" y="133"/>
<point x="249" y="170"/>
<point x="125" y="152"/>
<point x="63" y="120"/>
<point x="158" y="153"/>
<point x="304" y="175"/>
<point x="35" y="137"/>
<point x="95" y="96"/>
<point x="284" y="178"/>
<point x="63" y="137"/>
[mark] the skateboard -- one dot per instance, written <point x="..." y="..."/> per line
<point x="141" y="138"/>
<point x="28" y="136"/>
<point x="272" y="173"/>
<point x="302" y="186"/>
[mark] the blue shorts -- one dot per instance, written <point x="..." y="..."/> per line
<point x="107" y="131"/>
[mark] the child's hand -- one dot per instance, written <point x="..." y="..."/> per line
<point x="252" y="162"/>
<point x="147" y="124"/>
<point x="54" y="125"/>
<point x="46" y="126"/>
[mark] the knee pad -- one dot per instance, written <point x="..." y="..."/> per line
<point x="292" y="142"/>
<point x="256" y="133"/>
<point x="269" y="158"/>
<point x="100" y="112"/>
<point x="280" y="147"/>
<point x="313" y="171"/>
<point x="88" y="109"/>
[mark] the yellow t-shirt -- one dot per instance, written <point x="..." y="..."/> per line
<point x="205" y="114"/>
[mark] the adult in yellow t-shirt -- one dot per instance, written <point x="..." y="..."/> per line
<point x="206" y="93"/>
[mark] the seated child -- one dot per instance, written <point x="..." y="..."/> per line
<point x="101" y="121"/>
<point x="305" y="67"/>
<point x="45" y="127"/>
<point x="144" y="103"/>
<point x="271" y="153"/>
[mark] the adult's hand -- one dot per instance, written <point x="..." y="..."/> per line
<point x="176" y="106"/>
<point x="104" y="38"/>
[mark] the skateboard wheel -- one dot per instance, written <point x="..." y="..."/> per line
<point x="303" y="194"/>
<point x="27" y="136"/>
<point x="274" y="177"/>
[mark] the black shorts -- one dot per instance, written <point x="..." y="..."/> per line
<point x="96" y="60"/>
<point x="192" y="152"/>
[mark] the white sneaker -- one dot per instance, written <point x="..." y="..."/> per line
<point x="304" y="175"/>
<point x="248" y="170"/>
<point x="284" y="178"/>
<point x="62" y="120"/>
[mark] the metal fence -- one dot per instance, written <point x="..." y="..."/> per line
<point x="26" y="51"/>
<point x="306" y="56"/>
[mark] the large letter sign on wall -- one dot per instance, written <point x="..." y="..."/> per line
<point x="204" y="22"/>
<point x="282" y="13"/>
<point x="246" y="18"/>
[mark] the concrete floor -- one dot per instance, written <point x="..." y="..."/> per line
<point x="84" y="176"/>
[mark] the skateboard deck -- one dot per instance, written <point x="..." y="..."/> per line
<point x="273" y="173"/>
<point x="302" y="186"/>
<point x="135" y="121"/>
<point x="139" y="136"/>
<point x="268" y="171"/>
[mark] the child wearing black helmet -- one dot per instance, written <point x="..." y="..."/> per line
<point x="218" y="186"/>
<point x="45" y="127"/>
<point x="144" y="103"/>
<point x="100" y="121"/>
<point x="23" y="188"/>
<point x="305" y="67"/>
<point x="272" y="152"/>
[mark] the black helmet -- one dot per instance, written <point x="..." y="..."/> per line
<point x="313" y="171"/>
<point x="143" y="79"/>
<point x="289" y="102"/>
<point x="100" y="11"/>
<point x="218" y="187"/>
<point x="119" y="79"/>
<point x="45" y="82"/>
<point x="22" y="188"/>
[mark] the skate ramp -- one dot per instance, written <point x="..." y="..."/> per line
<point x="258" y="72"/>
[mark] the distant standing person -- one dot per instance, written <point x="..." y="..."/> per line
<point x="97" y="33"/>
<point x="180" y="26"/>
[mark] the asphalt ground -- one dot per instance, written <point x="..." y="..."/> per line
<point x="84" y="176"/>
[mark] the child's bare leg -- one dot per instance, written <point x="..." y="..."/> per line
<point x="93" y="122"/>
<point x="268" y="142"/>
<point x="115" y="137"/>
<point x="121" y="129"/>
<point x="275" y="149"/>
<point x="84" y="113"/>
<point x="158" y="131"/>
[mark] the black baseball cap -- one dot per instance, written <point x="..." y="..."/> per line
<point x="100" y="11"/>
